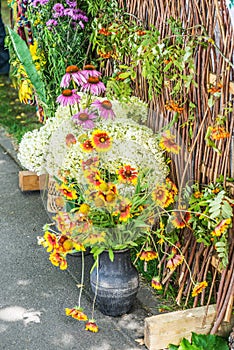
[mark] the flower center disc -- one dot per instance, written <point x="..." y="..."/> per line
<point x="67" y="92"/>
<point x="93" y="80"/>
<point x="83" y="117"/>
<point x="89" y="67"/>
<point x="102" y="139"/>
<point x="107" y="104"/>
<point x="72" y="69"/>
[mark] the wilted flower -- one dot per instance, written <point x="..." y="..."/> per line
<point x="91" y="326"/>
<point x="167" y="143"/>
<point x="156" y="284"/>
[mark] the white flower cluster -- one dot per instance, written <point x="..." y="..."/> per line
<point x="46" y="150"/>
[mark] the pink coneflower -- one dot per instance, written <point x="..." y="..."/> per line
<point x="85" y="119"/>
<point x="68" y="97"/>
<point x="71" y="3"/>
<point x="90" y="71"/>
<point x="59" y="10"/>
<point x="94" y="86"/>
<point x="72" y="73"/>
<point x="104" y="108"/>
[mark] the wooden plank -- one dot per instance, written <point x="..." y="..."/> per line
<point x="29" y="181"/>
<point x="169" y="328"/>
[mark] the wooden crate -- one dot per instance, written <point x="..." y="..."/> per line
<point x="170" y="328"/>
<point x="29" y="181"/>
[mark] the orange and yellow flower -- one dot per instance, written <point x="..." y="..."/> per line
<point x="221" y="227"/>
<point x="127" y="174"/>
<point x="155" y="283"/>
<point x="175" y="260"/>
<point x="174" y="106"/>
<point x="58" y="259"/>
<point x="51" y="241"/>
<point x="199" y="288"/>
<point x="180" y="218"/>
<point x="168" y="144"/>
<point x="87" y="146"/>
<point x="91" y="326"/>
<point x="148" y="255"/>
<point x="218" y="133"/>
<point x="93" y="177"/>
<point x="101" y="141"/>
<point x="123" y="210"/>
<point x="68" y="191"/>
<point x="162" y="196"/>
<point x="76" y="313"/>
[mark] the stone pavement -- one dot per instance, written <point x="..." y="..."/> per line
<point x="34" y="294"/>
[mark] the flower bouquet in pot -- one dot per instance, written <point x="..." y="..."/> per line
<point x="106" y="167"/>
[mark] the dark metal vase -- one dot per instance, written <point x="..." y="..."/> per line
<point x="116" y="283"/>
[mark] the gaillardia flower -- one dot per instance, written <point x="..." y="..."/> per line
<point x="175" y="260"/>
<point x="68" y="97"/>
<point x="148" y="255"/>
<point x="87" y="146"/>
<point x="70" y="140"/>
<point x="221" y="227"/>
<point x="104" y="108"/>
<point x="76" y="313"/>
<point x="51" y="241"/>
<point x="72" y="73"/>
<point x="155" y="283"/>
<point x="91" y="326"/>
<point x="127" y="174"/>
<point x="68" y="191"/>
<point x="180" y="218"/>
<point x="101" y="141"/>
<point x="168" y="144"/>
<point x="199" y="288"/>
<point x="58" y="259"/>
<point x="162" y="196"/>
<point x="94" y="86"/>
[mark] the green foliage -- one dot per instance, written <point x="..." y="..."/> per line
<point x="25" y="58"/>
<point x="201" y="342"/>
<point x="211" y="213"/>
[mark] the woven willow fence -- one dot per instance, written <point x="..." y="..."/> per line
<point x="202" y="163"/>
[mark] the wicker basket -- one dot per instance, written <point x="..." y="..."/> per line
<point x="55" y="201"/>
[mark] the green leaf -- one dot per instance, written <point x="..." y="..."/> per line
<point x="209" y="341"/>
<point x="24" y="56"/>
<point x="111" y="255"/>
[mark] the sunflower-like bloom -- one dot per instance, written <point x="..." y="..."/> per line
<point x="148" y="255"/>
<point x="58" y="259"/>
<point x="127" y="174"/>
<point x="76" y="313"/>
<point x="91" y="326"/>
<point x="180" y="218"/>
<point x="221" y="227"/>
<point x="104" y="108"/>
<point x="155" y="283"/>
<point x="68" y="191"/>
<point x="175" y="260"/>
<point x="168" y="144"/>
<point x="162" y="196"/>
<point x="101" y="141"/>
<point x="93" y="177"/>
<point x="51" y="241"/>
<point x="123" y="210"/>
<point x="87" y="146"/>
<point x="199" y="288"/>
